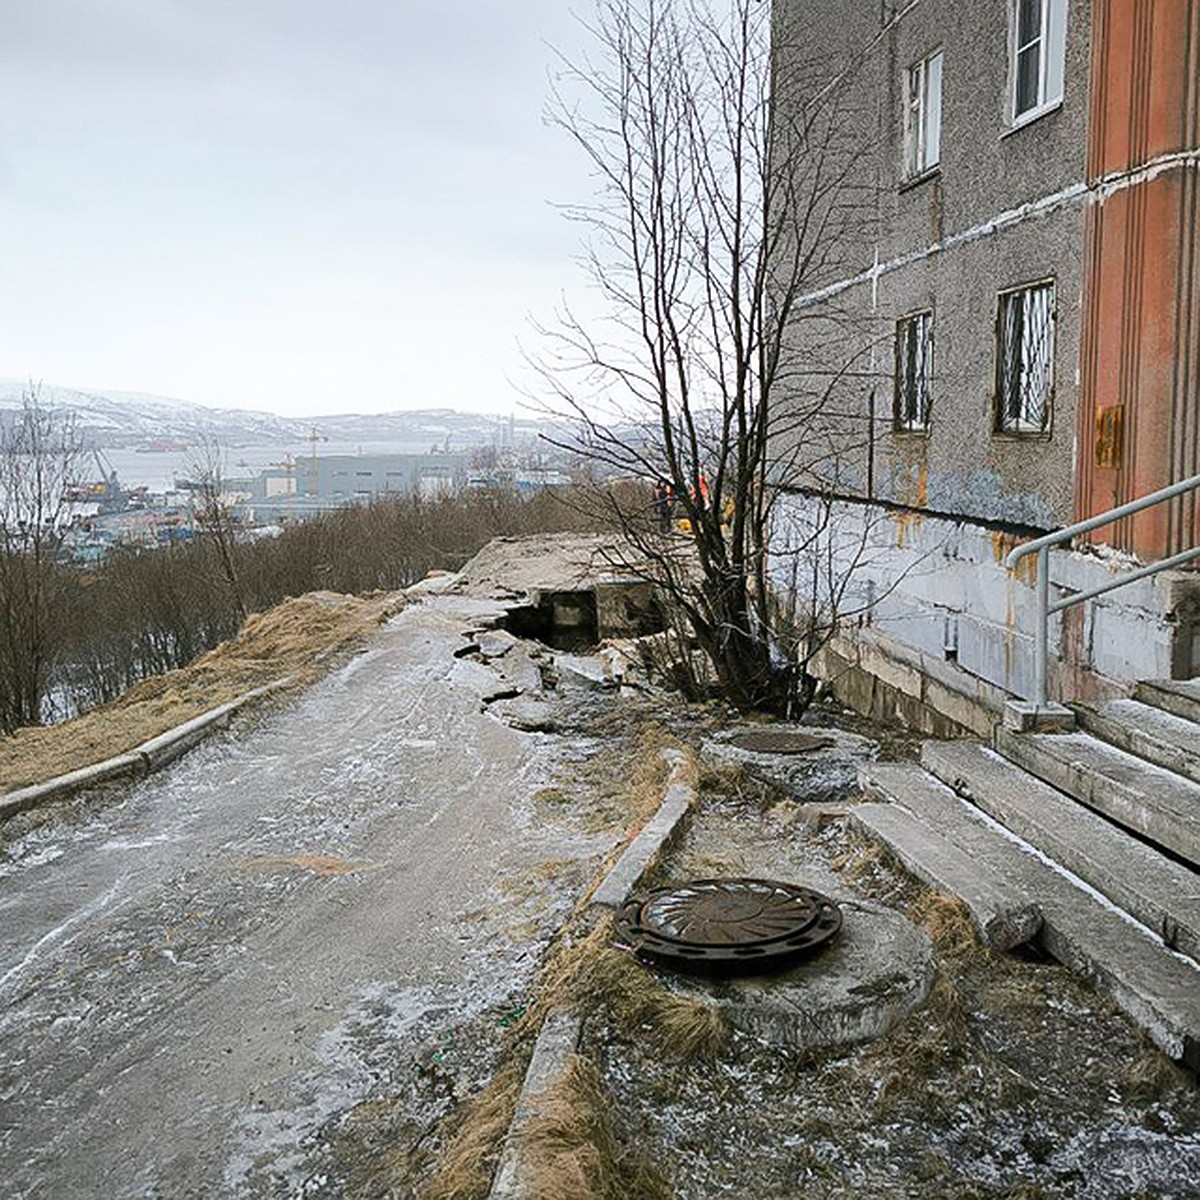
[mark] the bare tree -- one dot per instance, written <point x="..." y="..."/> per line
<point x="719" y="209"/>
<point x="39" y="451"/>
<point x="213" y="514"/>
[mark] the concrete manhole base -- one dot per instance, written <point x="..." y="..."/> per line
<point x="874" y="973"/>
<point x="826" y="771"/>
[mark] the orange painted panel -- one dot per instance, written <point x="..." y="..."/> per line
<point x="1141" y="107"/>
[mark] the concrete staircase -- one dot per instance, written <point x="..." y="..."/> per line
<point x="1087" y="843"/>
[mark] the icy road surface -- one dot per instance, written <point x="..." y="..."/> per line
<point x="199" y="975"/>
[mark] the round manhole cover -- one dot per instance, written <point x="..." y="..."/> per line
<point x="779" y="741"/>
<point x="729" y="926"/>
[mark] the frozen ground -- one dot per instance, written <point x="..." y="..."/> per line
<point x="1015" y="1081"/>
<point x="202" y="974"/>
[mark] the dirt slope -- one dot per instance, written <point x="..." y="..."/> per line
<point x="298" y="638"/>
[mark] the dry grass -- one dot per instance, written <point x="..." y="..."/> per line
<point x="575" y="1152"/>
<point x="1151" y="1076"/>
<point x="591" y="975"/>
<point x="642" y="791"/>
<point x="731" y="781"/>
<point x="872" y="869"/>
<point x="604" y="792"/>
<point x="570" y="1148"/>
<point x="469" y="1154"/>
<point x="946" y="920"/>
<point x="298" y="638"/>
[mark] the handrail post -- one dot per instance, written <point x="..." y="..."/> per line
<point x="1042" y="632"/>
<point x="1037" y="714"/>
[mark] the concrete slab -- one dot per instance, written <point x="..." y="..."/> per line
<point x="1158" y="804"/>
<point x="1003" y="917"/>
<point x="1161" y="893"/>
<point x="526" y="713"/>
<point x="878" y="969"/>
<point x="496" y="643"/>
<point x="1158" y="989"/>
<point x="1023" y="716"/>
<point x="1162" y="738"/>
<point x="23" y="799"/>
<point x="1178" y="696"/>
<point x="581" y="670"/>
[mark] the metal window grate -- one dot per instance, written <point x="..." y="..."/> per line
<point x="914" y="371"/>
<point x="1025" y="359"/>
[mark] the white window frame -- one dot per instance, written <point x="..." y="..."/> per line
<point x="923" y="115"/>
<point x="1023" y="417"/>
<point x="907" y="417"/>
<point x="1049" y="41"/>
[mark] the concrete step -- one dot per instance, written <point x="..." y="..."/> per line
<point x="1158" y="804"/>
<point x="1158" y="989"/>
<point x="1160" y="892"/>
<point x="1159" y="737"/>
<point x="1002" y="916"/>
<point x="1178" y="696"/>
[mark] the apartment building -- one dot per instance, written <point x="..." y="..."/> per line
<point x="1019" y="301"/>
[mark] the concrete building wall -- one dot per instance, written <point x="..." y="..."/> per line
<point x="1005" y="206"/>
<point x="347" y="478"/>
<point x="1099" y="193"/>
<point x="943" y="623"/>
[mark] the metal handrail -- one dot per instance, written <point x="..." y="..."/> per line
<point x="1041" y="547"/>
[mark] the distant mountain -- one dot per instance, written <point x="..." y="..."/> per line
<point x="111" y="420"/>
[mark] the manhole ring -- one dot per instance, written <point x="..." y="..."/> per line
<point x="779" y="741"/>
<point x="729" y="926"/>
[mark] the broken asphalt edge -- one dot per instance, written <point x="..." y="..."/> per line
<point x="558" y="1038"/>
<point x="150" y="756"/>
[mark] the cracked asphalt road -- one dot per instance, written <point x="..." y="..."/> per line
<point x="204" y="970"/>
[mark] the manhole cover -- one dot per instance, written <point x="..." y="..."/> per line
<point x="729" y="926"/>
<point x="779" y="741"/>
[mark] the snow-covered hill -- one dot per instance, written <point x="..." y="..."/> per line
<point x="112" y="420"/>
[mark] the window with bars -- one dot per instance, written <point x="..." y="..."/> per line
<point x="1025" y="359"/>
<point x="914" y="371"/>
<point x="923" y="116"/>
<point x="1039" y="55"/>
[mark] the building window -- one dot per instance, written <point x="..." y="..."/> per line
<point x="1025" y="359"/>
<point x="923" y="116"/>
<point x="914" y="371"/>
<point x="1039" y="55"/>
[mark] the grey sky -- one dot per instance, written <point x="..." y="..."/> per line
<point x="299" y="205"/>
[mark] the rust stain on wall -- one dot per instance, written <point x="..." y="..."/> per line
<point x="1003" y="544"/>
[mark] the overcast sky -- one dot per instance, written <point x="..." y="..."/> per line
<point x="298" y="205"/>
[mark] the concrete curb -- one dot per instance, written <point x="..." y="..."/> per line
<point x="662" y="828"/>
<point x="141" y="760"/>
<point x="558" y="1039"/>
